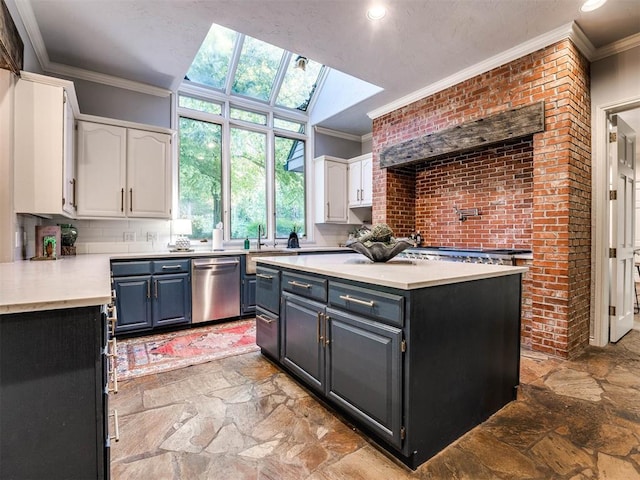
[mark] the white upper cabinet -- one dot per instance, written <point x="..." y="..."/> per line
<point x="44" y="164"/>
<point x="102" y="174"/>
<point x="123" y="172"/>
<point x="330" y="175"/>
<point x="360" y="181"/>
<point x="149" y="174"/>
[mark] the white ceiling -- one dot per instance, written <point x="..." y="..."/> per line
<point x="418" y="43"/>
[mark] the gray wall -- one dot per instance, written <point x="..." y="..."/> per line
<point x="336" y="147"/>
<point x="112" y="102"/>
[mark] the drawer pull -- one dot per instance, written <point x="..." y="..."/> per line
<point x="266" y="277"/>
<point x="112" y="370"/>
<point x="265" y="319"/>
<point x="116" y="427"/>
<point x="171" y="267"/>
<point x="293" y="283"/>
<point x="368" y="303"/>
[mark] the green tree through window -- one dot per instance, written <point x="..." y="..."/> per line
<point x="200" y="174"/>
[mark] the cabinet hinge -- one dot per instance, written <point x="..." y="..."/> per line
<point x="403" y="346"/>
<point x="612" y="310"/>
<point x="613" y="253"/>
<point x="613" y="137"/>
<point x="403" y="433"/>
<point x="613" y="194"/>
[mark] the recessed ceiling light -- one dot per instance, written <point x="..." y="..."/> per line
<point x="590" y="5"/>
<point x="376" y="12"/>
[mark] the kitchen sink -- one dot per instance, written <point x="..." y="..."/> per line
<point x="250" y="267"/>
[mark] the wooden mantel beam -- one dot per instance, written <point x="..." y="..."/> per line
<point x="511" y="124"/>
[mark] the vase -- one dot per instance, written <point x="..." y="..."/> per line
<point x="68" y="234"/>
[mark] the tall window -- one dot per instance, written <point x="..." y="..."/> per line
<point x="200" y="174"/>
<point x="264" y="183"/>
<point x="289" y="186"/>
<point x="248" y="183"/>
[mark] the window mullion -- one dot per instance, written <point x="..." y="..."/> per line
<point x="226" y="178"/>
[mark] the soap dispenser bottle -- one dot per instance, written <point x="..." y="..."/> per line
<point x="246" y="243"/>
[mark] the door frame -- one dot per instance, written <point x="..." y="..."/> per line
<point x="600" y="219"/>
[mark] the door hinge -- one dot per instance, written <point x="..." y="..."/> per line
<point x="613" y="137"/>
<point x="613" y="253"/>
<point x="403" y="433"/>
<point x="612" y="310"/>
<point x="613" y="194"/>
<point x="403" y="346"/>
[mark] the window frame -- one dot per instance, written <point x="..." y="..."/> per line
<point x="189" y="89"/>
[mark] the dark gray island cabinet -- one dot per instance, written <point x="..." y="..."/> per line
<point x="414" y="354"/>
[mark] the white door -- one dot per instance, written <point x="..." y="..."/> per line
<point x="622" y="181"/>
<point x="355" y="184"/>
<point x="102" y="175"/>
<point x="148" y="174"/>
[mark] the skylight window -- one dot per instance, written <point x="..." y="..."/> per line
<point x="210" y="66"/>
<point x="260" y="71"/>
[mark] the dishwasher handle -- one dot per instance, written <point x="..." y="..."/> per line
<point x="208" y="265"/>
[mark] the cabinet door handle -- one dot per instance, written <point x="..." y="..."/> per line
<point x="148" y="288"/>
<point x="293" y="283"/>
<point x="319" y="330"/>
<point x="131" y="199"/>
<point x="326" y="329"/>
<point x="122" y="199"/>
<point x="358" y="194"/>
<point x="266" y="277"/>
<point x="155" y="288"/>
<point x="73" y="189"/>
<point x="328" y="210"/>
<point x="368" y="303"/>
<point x="116" y="427"/>
<point x="265" y="319"/>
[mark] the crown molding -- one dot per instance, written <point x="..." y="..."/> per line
<point x="105" y="79"/>
<point x="337" y="134"/>
<point x="367" y="137"/>
<point x="35" y="36"/>
<point x="617" y="47"/>
<point x="570" y="30"/>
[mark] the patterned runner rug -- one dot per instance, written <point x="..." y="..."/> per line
<point x="170" y="351"/>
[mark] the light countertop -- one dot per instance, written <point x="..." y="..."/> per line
<point x="68" y="282"/>
<point x="397" y="273"/>
<point x="85" y="280"/>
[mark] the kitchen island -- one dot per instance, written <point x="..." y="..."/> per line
<point x="413" y="353"/>
<point x="55" y="368"/>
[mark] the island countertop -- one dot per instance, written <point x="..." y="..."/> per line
<point x="69" y="282"/>
<point x="397" y="273"/>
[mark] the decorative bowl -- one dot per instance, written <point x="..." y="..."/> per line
<point x="379" y="251"/>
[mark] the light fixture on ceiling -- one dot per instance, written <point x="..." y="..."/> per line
<point x="376" y="12"/>
<point x="591" y="5"/>
<point x="301" y="62"/>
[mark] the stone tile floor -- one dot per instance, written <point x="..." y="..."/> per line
<point x="241" y="418"/>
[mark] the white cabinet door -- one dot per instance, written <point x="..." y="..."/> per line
<point x="42" y="158"/>
<point x="360" y="181"/>
<point x="366" y="186"/>
<point x="148" y="174"/>
<point x="331" y="198"/>
<point x="336" y="192"/>
<point x="101" y="170"/>
<point x="69" y="198"/>
<point x="355" y="183"/>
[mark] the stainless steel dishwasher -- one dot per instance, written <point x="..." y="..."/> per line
<point x="215" y="288"/>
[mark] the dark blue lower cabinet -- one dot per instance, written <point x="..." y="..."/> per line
<point x="248" y="294"/>
<point x="133" y="302"/>
<point x="171" y="299"/>
<point x="53" y="404"/>
<point x="364" y="371"/>
<point x="151" y="293"/>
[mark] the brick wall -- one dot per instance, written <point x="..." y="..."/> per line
<point x="550" y="212"/>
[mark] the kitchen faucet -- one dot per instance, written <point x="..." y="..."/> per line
<point x="260" y="231"/>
